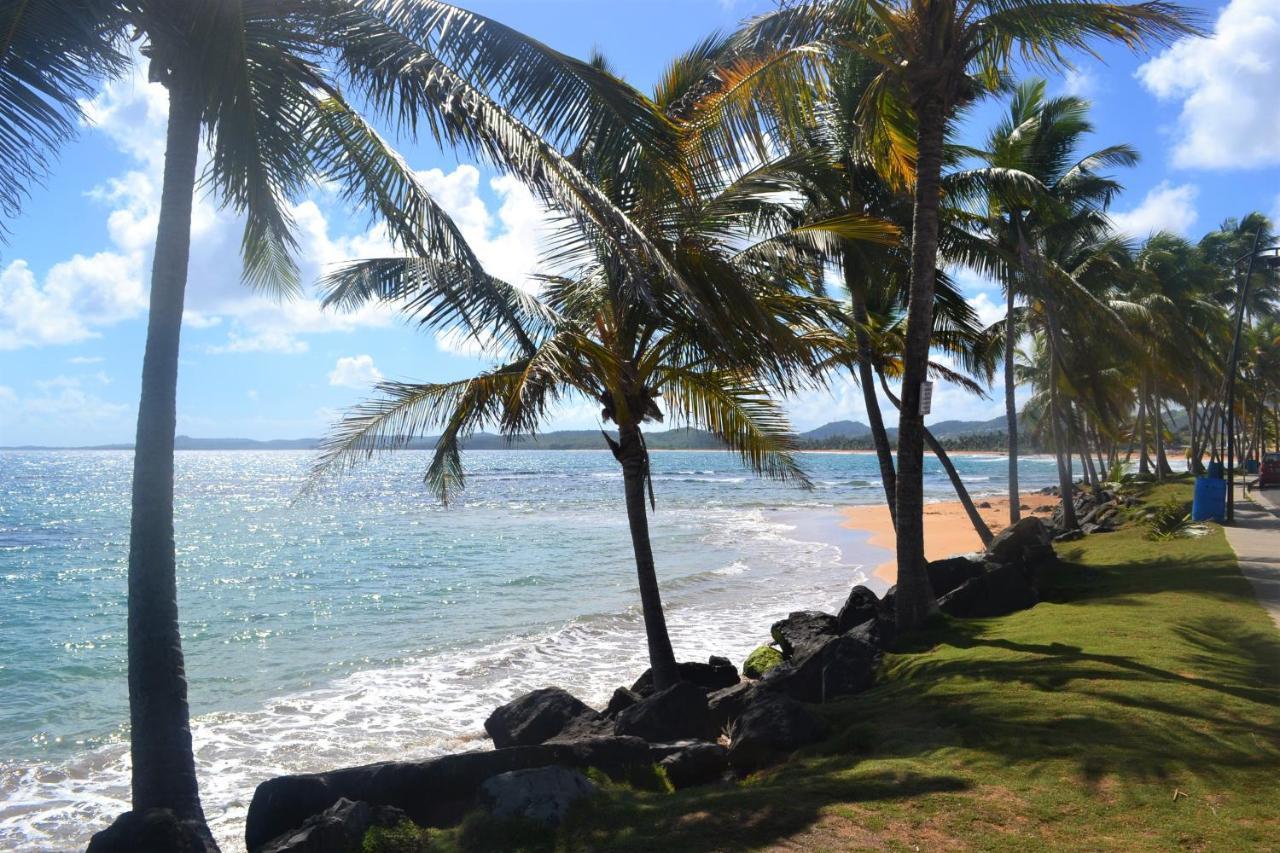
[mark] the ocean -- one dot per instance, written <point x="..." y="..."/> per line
<point x="367" y="622"/>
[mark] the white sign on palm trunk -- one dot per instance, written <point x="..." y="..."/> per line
<point x="926" y="398"/>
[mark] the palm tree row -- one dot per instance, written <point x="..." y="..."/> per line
<point x="700" y="226"/>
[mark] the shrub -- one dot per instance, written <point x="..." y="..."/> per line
<point x="1169" y="520"/>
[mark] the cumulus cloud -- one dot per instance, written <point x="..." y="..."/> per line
<point x="1227" y="84"/>
<point x="73" y="300"/>
<point x="355" y="371"/>
<point x="1167" y="207"/>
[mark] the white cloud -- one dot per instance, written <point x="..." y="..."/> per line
<point x="355" y="371"/>
<point x="61" y="413"/>
<point x="1165" y="208"/>
<point x="1078" y="82"/>
<point x="989" y="311"/>
<point x="1227" y="84"/>
<point x="75" y="297"/>
<point x="86" y="359"/>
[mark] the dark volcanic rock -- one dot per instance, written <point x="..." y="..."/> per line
<point x="770" y="729"/>
<point x="1069" y="536"/>
<point x="1027" y="539"/>
<point x="543" y="795"/>
<point x="621" y="698"/>
<point x="804" y="629"/>
<point x="716" y="674"/>
<point x="153" y="831"/>
<point x="841" y="666"/>
<point x="696" y="764"/>
<point x="860" y="606"/>
<point x="338" y="829"/>
<point x="436" y="792"/>
<point x="535" y="717"/>
<point x="889" y="606"/>
<point x="725" y="705"/>
<point x="946" y="575"/>
<point x="676" y="713"/>
<point x="1001" y="590"/>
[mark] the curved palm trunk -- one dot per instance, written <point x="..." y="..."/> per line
<point x="879" y="435"/>
<point x="1144" y="462"/>
<point x="915" y="599"/>
<point x="1061" y="444"/>
<point x="1162" y="461"/>
<point x="975" y="517"/>
<point x="164" y="774"/>
<point x="635" y="469"/>
<point x="1011" y="407"/>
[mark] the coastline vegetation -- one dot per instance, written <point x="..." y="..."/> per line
<point x="701" y="227"/>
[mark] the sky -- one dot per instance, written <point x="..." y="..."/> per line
<point x="73" y="274"/>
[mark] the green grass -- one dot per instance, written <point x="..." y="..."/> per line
<point x="1135" y="708"/>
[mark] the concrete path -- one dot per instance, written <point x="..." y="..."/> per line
<point x="1255" y="538"/>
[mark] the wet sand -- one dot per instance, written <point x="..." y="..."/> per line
<point x="947" y="529"/>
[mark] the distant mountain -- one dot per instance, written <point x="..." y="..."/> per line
<point x="836" y="429"/>
<point x="589" y="439"/>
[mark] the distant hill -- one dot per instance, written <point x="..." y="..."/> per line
<point x="836" y="429"/>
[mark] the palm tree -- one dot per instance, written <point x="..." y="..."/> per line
<point x="935" y="56"/>
<point x="258" y="80"/>
<point x="716" y="342"/>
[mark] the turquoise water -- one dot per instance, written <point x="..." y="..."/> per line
<point x="368" y="622"/>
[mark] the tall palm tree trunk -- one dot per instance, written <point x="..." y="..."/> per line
<point x="1056" y="415"/>
<point x="1162" y="462"/>
<point x="635" y="472"/>
<point x="1144" y="463"/>
<point x="857" y="288"/>
<point x="915" y="599"/>
<point x="975" y="517"/>
<point x="164" y="774"/>
<point x="1011" y="405"/>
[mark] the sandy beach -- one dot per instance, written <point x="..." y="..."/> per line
<point x="947" y="529"/>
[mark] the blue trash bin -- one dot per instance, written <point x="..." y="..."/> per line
<point x="1215" y="471"/>
<point x="1209" y="501"/>
<point x="1251" y="466"/>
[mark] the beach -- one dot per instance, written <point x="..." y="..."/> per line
<point x="947" y="529"/>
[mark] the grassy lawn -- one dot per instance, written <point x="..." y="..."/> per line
<point x="1136" y="708"/>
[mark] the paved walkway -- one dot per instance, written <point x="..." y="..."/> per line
<point x="1255" y="538"/>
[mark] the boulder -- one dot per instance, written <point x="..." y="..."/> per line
<point x="338" y="829"/>
<point x="535" y="717"/>
<point x="153" y="831"/>
<point x="769" y="729"/>
<point x="543" y="794"/>
<point x="1003" y="589"/>
<point x="716" y="674"/>
<point x="761" y="661"/>
<point x="435" y="792"/>
<point x="1069" y="536"/>
<point x="676" y="713"/>
<point x="803" y="629"/>
<point x="725" y="705"/>
<point x="946" y="575"/>
<point x="621" y="698"/>
<point x="889" y="606"/>
<point x="696" y="764"/>
<point x="1027" y="537"/>
<point x="841" y="666"/>
<point x="860" y="606"/>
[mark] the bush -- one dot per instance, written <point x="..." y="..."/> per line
<point x="761" y="661"/>
<point x="1169" y="520"/>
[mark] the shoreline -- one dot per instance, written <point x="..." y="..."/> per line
<point x="947" y="529"/>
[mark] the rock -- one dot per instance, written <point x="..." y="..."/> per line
<point x="841" y="666"/>
<point x="535" y="717"/>
<point x="716" y="674"/>
<point x="1069" y="536"/>
<point x="984" y="505"/>
<point x="946" y="575"/>
<point x="1026" y="539"/>
<point x="338" y="829"/>
<point x="676" y="713"/>
<point x="860" y="606"/>
<point x="725" y="705"/>
<point x="1088" y="529"/>
<point x="769" y="729"/>
<point x="889" y="606"/>
<point x="543" y="795"/>
<point x="436" y="792"/>
<point x="153" y="831"/>
<point x="760" y="661"/>
<point x="696" y="764"/>
<point x="1003" y="589"/>
<point x="803" y="629"/>
<point x="622" y="698"/>
<point x="584" y="728"/>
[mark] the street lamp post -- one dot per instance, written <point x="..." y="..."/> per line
<point x="1242" y="298"/>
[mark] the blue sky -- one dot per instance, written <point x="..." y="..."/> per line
<point x="73" y="275"/>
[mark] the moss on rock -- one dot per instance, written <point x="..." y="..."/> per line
<point x="761" y="661"/>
